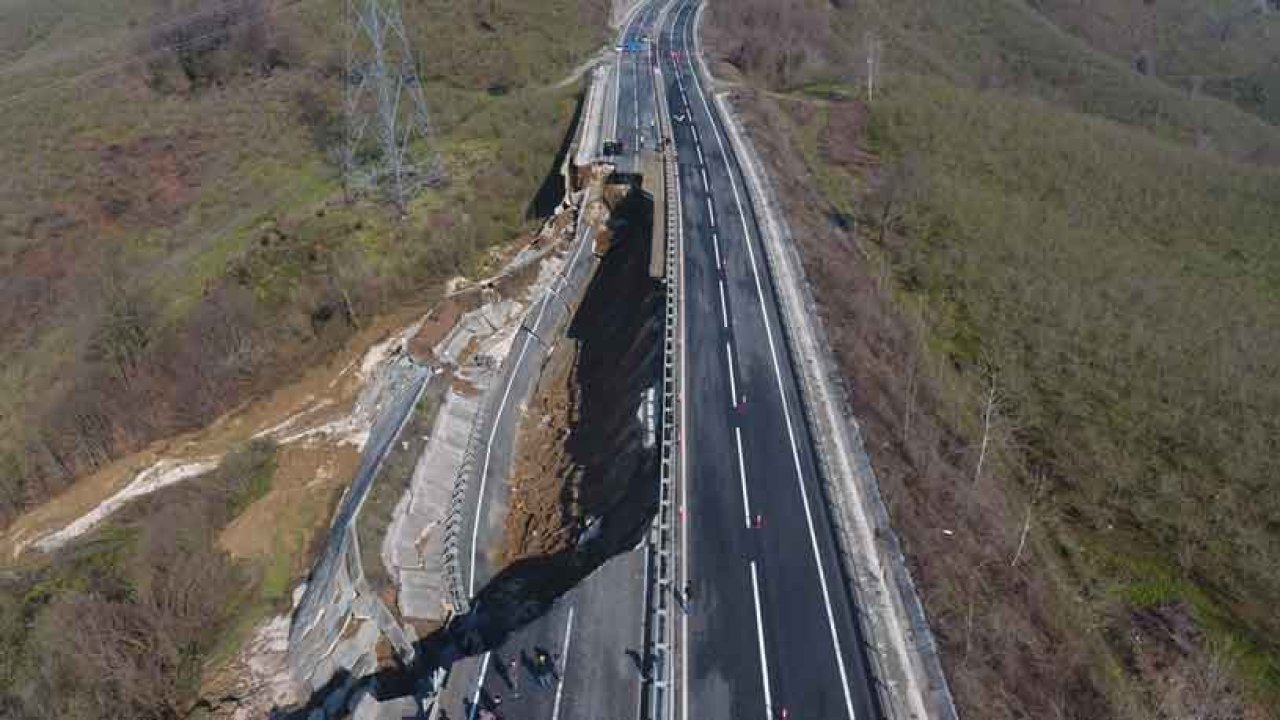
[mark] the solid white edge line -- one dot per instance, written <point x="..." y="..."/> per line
<point x="742" y="475"/>
<point x="564" y="665"/>
<point x="786" y="411"/>
<point x="764" y="659"/>
<point x="484" y="472"/>
<point x="724" y="308"/>
<point x="733" y="385"/>
<point x="502" y="404"/>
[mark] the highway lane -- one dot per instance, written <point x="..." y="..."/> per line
<point x="772" y="624"/>
<point x="634" y="120"/>
<point x="597" y="628"/>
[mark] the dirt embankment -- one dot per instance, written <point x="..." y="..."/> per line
<point x="581" y="458"/>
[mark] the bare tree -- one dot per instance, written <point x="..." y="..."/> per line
<point x="986" y="429"/>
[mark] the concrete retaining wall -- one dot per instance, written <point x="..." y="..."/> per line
<point x="336" y="589"/>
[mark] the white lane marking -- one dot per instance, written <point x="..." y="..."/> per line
<point x="724" y="308"/>
<point x="705" y="183"/>
<point x="786" y="410"/>
<point x="617" y="96"/>
<point x="764" y="659"/>
<point x="698" y="147"/>
<point x="742" y="475"/>
<point x="502" y="404"/>
<point x="484" y="472"/>
<point x="475" y="699"/>
<point x="471" y="585"/>
<point x="564" y="665"/>
<point x="617" y="77"/>
<point x="733" y="385"/>
<point x="711" y="210"/>
<point x="715" y="244"/>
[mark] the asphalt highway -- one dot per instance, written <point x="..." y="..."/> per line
<point x="771" y="626"/>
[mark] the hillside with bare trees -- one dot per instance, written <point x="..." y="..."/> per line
<point x="177" y="243"/>
<point x="1047" y="267"/>
<point x="174" y="239"/>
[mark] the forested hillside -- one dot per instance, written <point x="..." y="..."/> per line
<point x="1045" y="252"/>
<point x="173" y="239"/>
<point x="175" y="243"/>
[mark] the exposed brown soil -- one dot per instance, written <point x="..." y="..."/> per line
<point x="308" y="480"/>
<point x="438" y="324"/>
<point x="580" y="448"/>
<point x="334" y="381"/>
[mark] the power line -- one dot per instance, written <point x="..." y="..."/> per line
<point x="382" y="89"/>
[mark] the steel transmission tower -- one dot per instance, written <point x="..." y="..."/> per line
<point x="382" y="89"/>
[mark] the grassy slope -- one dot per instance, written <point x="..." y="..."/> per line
<point x="216" y="207"/>
<point x="1119" y="285"/>
<point x="227" y="202"/>
<point x="1124" y="295"/>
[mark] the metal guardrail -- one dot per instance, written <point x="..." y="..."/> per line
<point x="458" y="597"/>
<point x="660" y="616"/>
<point x="544" y="319"/>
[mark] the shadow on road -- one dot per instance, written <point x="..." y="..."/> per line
<point x="517" y="596"/>
<point x="617" y="326"/>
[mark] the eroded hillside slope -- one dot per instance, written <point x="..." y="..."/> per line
<point x="173" y="239"/>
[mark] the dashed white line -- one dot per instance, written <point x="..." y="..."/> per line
<point x="705" y="183"/>
<point x="724" y="308"/>
<point x="742" y="475"/>
<point x="764" y="660"/>
<point x="711" y="211"/>
<point x="564" y="665"/>
<point x="786" y="410"/>
<point x="715" y="244"/>
<point x="697" y="146"/>
<point x="475" y="699"/>
<point x="733" y="384"/>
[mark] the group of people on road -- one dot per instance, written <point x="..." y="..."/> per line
<point x="540" y="665"/>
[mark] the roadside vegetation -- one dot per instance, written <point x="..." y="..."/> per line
<point x="1049" y="275"/>
<point x="122" y="622"/>
<point x="174" y="244"/>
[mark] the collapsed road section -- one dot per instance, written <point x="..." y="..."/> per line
<point x="535" y="464"/>
<point x="562" y="475"/>
<point x="558" y="519"/>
